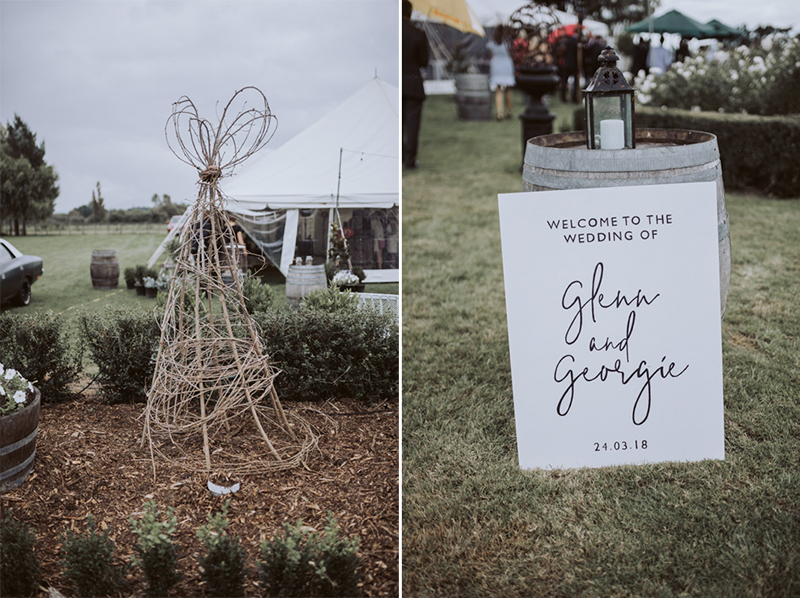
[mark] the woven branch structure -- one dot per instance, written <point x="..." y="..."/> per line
<point x="212" y="406"/>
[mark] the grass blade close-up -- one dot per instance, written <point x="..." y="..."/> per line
<point x="474" y="523"/>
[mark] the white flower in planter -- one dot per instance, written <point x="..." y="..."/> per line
<point x="345" y="278"/>
<point x="14" y="390"/>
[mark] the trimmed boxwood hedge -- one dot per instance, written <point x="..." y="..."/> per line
<point x="757" y="152"/>
<point x="37" y="345"/>
<point x="349" y="353"/>
<point x="123" y="343"/>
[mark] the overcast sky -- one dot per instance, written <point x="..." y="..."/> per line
<point x="96" y="79"/>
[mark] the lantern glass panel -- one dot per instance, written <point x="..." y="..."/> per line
<point x="612" y="107"/>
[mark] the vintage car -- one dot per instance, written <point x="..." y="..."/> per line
<point x="17" y="274"/>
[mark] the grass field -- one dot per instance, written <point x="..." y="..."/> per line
<point x="66" y="286"/>
<point x="474" y="524"/>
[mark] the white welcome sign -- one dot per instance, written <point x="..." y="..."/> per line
<point x="613" y="310"/>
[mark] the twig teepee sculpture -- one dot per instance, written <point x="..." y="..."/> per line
<point x="213" y="385"/>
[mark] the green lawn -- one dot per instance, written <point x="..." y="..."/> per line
<point x="474" y="524"/>
<point x="66" y="285"/>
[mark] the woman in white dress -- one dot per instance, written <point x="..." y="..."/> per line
<point x="501" y="73"/>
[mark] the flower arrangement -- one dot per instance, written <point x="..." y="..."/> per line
<point x="345" y="278"/>
<point x="149" y="282"/>
<point x="162" y="282"/>
<point x="745" y="80"/>
<point x="14" y="391"/>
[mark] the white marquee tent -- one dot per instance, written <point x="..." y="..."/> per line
<point x="347" y="161"/>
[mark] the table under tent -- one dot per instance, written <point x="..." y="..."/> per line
<point x="344" y="168"/>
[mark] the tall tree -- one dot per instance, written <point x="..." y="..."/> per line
<point x="28" y="188"/>
<point x="98" y="206"/>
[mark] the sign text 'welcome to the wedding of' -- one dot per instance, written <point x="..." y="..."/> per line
<point x="614" y="324"/>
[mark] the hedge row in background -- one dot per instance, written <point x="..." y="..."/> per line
<point x="757" y="152"/>
<point x="349" y="353"/>
<point x="345" y="353"/>
<point x="123" y="342"/>
<point x="37" y="346"/>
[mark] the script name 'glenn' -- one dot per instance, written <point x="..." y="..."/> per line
<point x="571" y="299"/>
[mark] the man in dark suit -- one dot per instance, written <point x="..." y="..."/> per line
<point x="415" y="57"/>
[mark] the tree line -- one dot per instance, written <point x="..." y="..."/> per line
<point x="28" y="189"/>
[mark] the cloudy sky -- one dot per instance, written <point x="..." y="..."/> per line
<point x="96" y="79"/>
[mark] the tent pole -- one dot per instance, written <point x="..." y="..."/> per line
<point x="339" y="216"/>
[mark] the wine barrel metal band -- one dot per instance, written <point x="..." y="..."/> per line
<point x="15" y="470"/>
<point x="10" y="448"/>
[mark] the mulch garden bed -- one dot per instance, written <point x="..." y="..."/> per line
<point x="89" y="461"/>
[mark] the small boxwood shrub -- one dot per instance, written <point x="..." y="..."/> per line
<point x="350" y="353"/>
<point x="37" y="345"/>
<point x="123" y="343"/>
<point x="302" y="562"/>
<point x="88" y="562"/>
<point x="258" y="295"/>
<point x="331" y="300"/>
<point x="19" y="567"/>
<point x="156" y="552"/>
<point x="222" y="568"/>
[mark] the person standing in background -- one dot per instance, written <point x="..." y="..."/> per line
<point x="415" y="57"/>
<point x="660" y="58"/>
<point x="501" y="73"/>
<point x="683" y="50"/>
<point x="568" y="68"/>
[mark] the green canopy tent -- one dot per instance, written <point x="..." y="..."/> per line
<point x="721" y="30"/>
<point x="672" y="22"/>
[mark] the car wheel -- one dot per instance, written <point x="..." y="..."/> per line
<point x="23" y="298"/>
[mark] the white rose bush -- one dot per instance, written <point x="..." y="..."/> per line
<point x="763" y="81"/>
<point x="14" y="391"/>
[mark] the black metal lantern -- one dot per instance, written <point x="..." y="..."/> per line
<point x="609" y="106"/>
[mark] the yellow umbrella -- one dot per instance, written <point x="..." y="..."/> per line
<point x="455" y="13"/>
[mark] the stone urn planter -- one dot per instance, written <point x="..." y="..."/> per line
<point x="18" y="433"/>
<point x="536" y="82"/>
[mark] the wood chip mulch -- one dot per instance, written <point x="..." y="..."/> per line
<point x="89" y="461"/>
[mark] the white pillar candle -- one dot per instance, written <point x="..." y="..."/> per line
<point x="612" y="134"/>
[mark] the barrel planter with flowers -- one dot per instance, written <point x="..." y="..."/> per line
<point x="19" y="426"/>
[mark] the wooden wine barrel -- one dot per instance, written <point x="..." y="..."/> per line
<point x="105" y="269"/>
<point x="661" y="156"/>
<point x="302" y="281"/>
<point x="18" y="433"/>
<point x="473" y="98"/>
